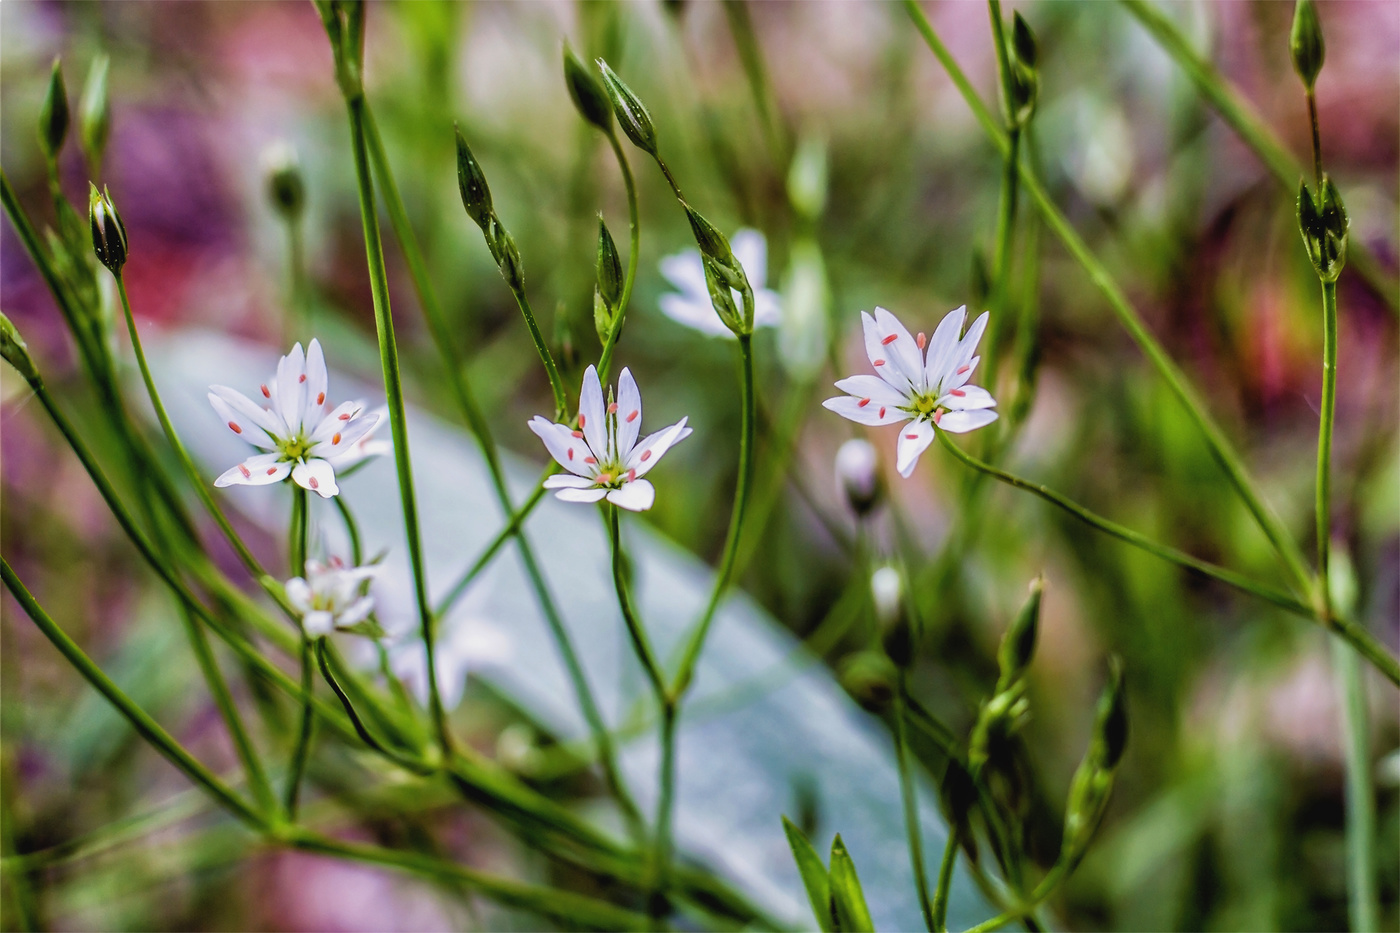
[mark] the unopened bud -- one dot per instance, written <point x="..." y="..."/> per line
<point x="602" y="316"/>
<point x="632" y="116"/>
<point x="869" y="677"/>
<point x="108" y="231"/>
<point x="588" y="95"/>
<point x="892" y="613"/>
<point x="1324" y="225"/>
<point x="471" y="183"/>
<point x="609" y="266"/>
<point x="721" y="295"/>
<point x="1018" y="644"/>
<point x="1305" y="42"/>
<point x="53" y="115"/>
<point x="512" y="269"/>
<point x="1025" y="78"/>
<point x="94" y="116"/>
<point x="15" y="352"/>
<point x="807" y="178"/>
<point x="1111" y="727"/>
<point x="286" y="188"/>
<point x="858" y="475"/>
<point x="708" y="237"/>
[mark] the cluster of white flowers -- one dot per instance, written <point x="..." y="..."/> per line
<point x="331" y="596"/>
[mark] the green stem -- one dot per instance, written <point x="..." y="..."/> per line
<point x="352" y="530"/>
<point x="140" y="720"/>
<point x="556" y="381"/>
<point x="393" y="391"/>
<point x="296" y="550"/>
<point x="1225" y="455"/>
<point x="1001" y="258"/>
<point x="1324" y="443"/>
<point x="640" y="643"/>
<point x="751" y="56"/>
<point x="1256" y="134"/>
<point x="1316" y="138"/>
<point x="1362" y="640"/>
<point x="484" y="559"/>
<point x="665" y="805"/>
<point x="1360" y="793"/>
<point x="417" y="767"/>
<point x="929" y="906"/>
<point x="634" y="250"/>
<point x="945" y="882"/>
<point x="736" y="518"/>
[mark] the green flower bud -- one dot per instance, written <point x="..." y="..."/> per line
<point x="1324" y="225"/>
<point x="1111" y="727"/>
<point x="1025" y="78"/>
<point x="15" y="352"/>
<point x="1023" y="44"/>
<point x="108" y="231"/>
<point x="807" y="178"/>
<point x="1018" y="644"/>
<point x="602" y="316"/>
<point x="53" y="115"/>
<point x="587" y="94"/>
<point x="94" y="116"/>
<point x="286" y="188"/>
<point x="471" y="182"/>
<point x="609" y="266"/>
<point x="1305" y="42"/>
<point x="869" y="678"/>
<point x="721" y="295"/>
<point x="711" y="241"/>
<point x="632" y="115"/>
<point x="512" y="269"/>
<point x="958" y="795"/>
<point x="1084" y="809"/>
<point x="1001" y="717"/>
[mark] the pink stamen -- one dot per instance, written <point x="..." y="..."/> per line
<point x="862" y="403"/>
<point x="345" y="417"/>
<point x="271" y="470"/>
<point x="631" y="475"/>
<point x="236" y="428"/>
<point x="576" y="433"/>
<point x="301" y="378"/>
<point x="612" y="408"/>
<point x="581" y="420"/>
<point x="571" y="453"/>
<point x="963" y="369"/>
<point x="244" y="470"/>
<point x="321" y="399"/>
<point x="882" y="412"/>
<point x="603" y="479"/>
<point x="922" y="340"/>
<point x="633" y="417"/>
<point x="646" y="455"/>
<point x="879" y="362"/>
<point x="889" y="340"/>
<point x="265" y="392"/>
<point x="335" y="440"/>
<point x="912" y="437"/>
<point x="938" y="416"/>
<point x="958" y="392"/>
<point x="313" y="484"/>
<point x="591" y="461"/>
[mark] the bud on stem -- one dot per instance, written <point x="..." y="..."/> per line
<point x="108" y="231"/>
<point x="15" y="352"/>
<point x="1305" y="43"/>
<point x="1324" y="224"/>
<point x="53" y="115"/>
<point x="94" y="116"/>
<point x="285" y="187"/>
<point x="1018" y="644"/>
<point x="632" y="115"/>
<point x="589" y="97"/>
<point x="471" y="183"/>
<point x="609" y="266"/>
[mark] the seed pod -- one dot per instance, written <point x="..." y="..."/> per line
<point x="1025" y="77"/>
<point x="858" y="475"/>
<point x="53" y="115"/>
<point x="632" y="115"/>
<point x="609" y="266"/>
<point x="588" y="95"/>
<point x="1324" y="225"/>
<point x="1305" y="42"/>
<point x="471" y="183"/>
<point x="94" y="116"/>
<point x="721" y="295"/>
<point x="15" y="352"/>
<point x="512" y="269"/>
<point x="108" y="231"/>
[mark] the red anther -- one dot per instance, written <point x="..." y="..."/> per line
<point x="313" y="484"/>
<point x="879" y="362"/>
<point x="889" y="340"/>
<point x="301" y="378"/>
<point x="236" y="428"/>
<point x="581" y="420"/>
<point x="345" y="417"/>
<point x="244" y="470"/>
<point x="921" y="340"/>
<point x="590" y="461"/>
<point x="612" y="408"/>
<point x="576" y="433"/>
<point x="631" y="475"/>
<point x="646" y="455"/>
<point x="335" y="440"/>
<point x="938" y="416"/>
<point x="633" y="417"/>
<point x="603" y="479"/>
<point x="321" y="399"/>
<point x="963" y="369"/>
<point x="882" y="412"/>
<point x="265" y="392"/>
<point x="571" y="453"/>
<point x="271" y="470"/>
<point x="958" y="392"/>
<point x="912" y="437"/>
<point x="862" y="403"/>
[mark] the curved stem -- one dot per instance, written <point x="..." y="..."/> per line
<point x="605" y="361"/>
<point x="945" y="882"/>
<point x="352" y="530"/>
<point x="930" y="907"/>
<point x="417" y="767"/>
<point x="640" y="643"/>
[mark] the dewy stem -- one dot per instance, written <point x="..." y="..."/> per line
<point x="911" y="814"/>
<point x="298" y="529"/>
<point x="635" y="233"/>
<point x="1324" y="444"/>
<point x="393" y="391"/>
<point x="1362" y="640"/>
<point x="1289" y="551"/>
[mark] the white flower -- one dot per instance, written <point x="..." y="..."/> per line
<point x="692" y="307"/>
<point x="331" y="596"/>
<point x="303" y="440"/>
<point x="604" y="457"/>
<point x="931" y="390"/>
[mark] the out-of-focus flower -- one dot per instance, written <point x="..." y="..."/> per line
<point x="930" y="390"/>
<point x="467" y="640"/>
<point x="604" y="457"/>
<point x="690" y="303"/>
<point x="303" y="440"/>
<point x="331" y="596"/>
<point x="858" y="475"/>
<point x="286" y="188"/>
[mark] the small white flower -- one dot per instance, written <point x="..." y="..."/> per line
<point x="303" y="440"/>
<point x="858" y="474"/>
<point x="931" y="390"/>
<point x="331" y="596"/>
<point x="604" y="457"/>
<point x="690" y="304"/>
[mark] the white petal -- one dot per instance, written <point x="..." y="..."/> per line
<point x="245" y="428"/>
<point x="913" y="441"/>
<point x="967" y="398"/>
<point x="751" y="249"/>
<point x="567" y="450"/>
<point x="959" y="422"/>
<point x="318" y="622"/>
<point x="291" y="388"/>
<point x="694" y="312"/>
<point x="959" y="376"/>
<point x="968" y="345"/>
<point x="359" y="611"/>
<point x="269" y="421"/>
<point x="873" y="413"/>
<point x="567" y="481"/>
<point x="298" y="594"/>
<point x="629" y="413"/>
<point x="316" y="383"/>
<point x="636" y="496"/>
<point x="654" y="446"/>
<point x="686" y="272"/>
<point x="346" y="438"/>
<point x="873" y="388"/>
<point x="902" y="349"/>
<point x="336" y="420"/>
<point x="767" y="308"/>
<point x="886" y="366"/>
<point x="592" y="416"/>
<point x="943" y="346"/>
<point x="317" y="476"/>
<point x="259" y="470"/>
<point x="581" y="495"/>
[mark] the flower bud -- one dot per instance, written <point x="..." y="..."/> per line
<point x="1305" y="42"/>
<point x="94" y="117"/>
<point x="1018" y="644"/>
<point x="721" y="296"/>
<point x="869" y="677"/>
<point x="807" y="178"/>
<point x="285" y="187"/>
<point x="1025" y="78"/>
<point x="1000" y="718"/>
<point x="708" y="237"/>
<point x="609" y="266"/>
<point x="958" y="795"/>
<point x="602" y="316"/>
<point x="858" y="475"/>
<point x="1088" y="798"/>
<point x="512" y="269"/>
<point x="1111" y="726"/>
<point x="632" y="116"/>
<point x="588" y="95"/>
<point x="108" y="231"/>
<point x="471" y="182"/>
<point x="1324" y="225"/>
<point x="53" y="115"/>
<point x="15" y="352"/>
<point x="892" y="614"/>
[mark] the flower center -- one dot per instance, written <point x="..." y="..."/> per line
<point x="294" y="449"/>
<point x="924" y="404"/>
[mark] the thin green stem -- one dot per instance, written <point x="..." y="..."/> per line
<point x="1256" y="134"/>
<point x="907" y="792"/>
<point x="297" y="533"/>
<point x="945" y="882"/>
<point x="417" y="767"/>
<point x="665" y="805"/>
<point x="634" y="250"/>
<point x="1289" y="551"/>
<point x="1316" y="138"/>
<point x="556" y="381"/>
<point x="1364" y="898"/>
<point x="640" y="643"/>
<point x="1001" y="257"/>
<point x="1324" y="443"/>
<point x="751" y="56"/>
<point x="398" y="418"/>
<point x="352" y="530"/>
<point x="492" y="549"/>
<point x="1003" y="58"/>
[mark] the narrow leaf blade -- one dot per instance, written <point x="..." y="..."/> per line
<point x="849" y="901"/>
<point x="813" y="872"/>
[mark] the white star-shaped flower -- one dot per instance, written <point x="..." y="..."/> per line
<point x="331" y="596"/>
<point x="604" y="457"/>
<point x="928" y="388"/>
<point x="690" y="303"/>
<point x="301" y="438"/>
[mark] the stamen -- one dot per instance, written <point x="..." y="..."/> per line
<point x="244" y="470"/>
<point x="312" y="483"/>
<point x="912" y="437"/>
<point x="582" y="421"/>
<point x="882" y="411"/>
<point x="862" y="403"/>
<point x="271" y="470"/>
<point x="576" y="433"/>
<point x="346" y="416"/>
<point x="646" y="455"/>
<point x="571" y="453"/>
<point x="612" y="408"/>
<point x="321" y="399"/>
<point x="631" y="475"/>
<point x="236" y="428"/>
<point x="963" y="369"/>
<point x="633" y="417"/>
<point x="265" y="392"/>
<point x="301" y="378"/>
<point x="335" y="440"/>
<point x="879" y="362"/>
<point x="921" y="340"/>
<point x="938" y="416"/>
<point x="889" y="340"/>
<point x="591" y="461"/>
<point x="958" y="392"/>
<point x="603" y="479"/>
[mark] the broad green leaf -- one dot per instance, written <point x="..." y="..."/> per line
<point x="813" y="872"/>
<point x="847" y="899"/>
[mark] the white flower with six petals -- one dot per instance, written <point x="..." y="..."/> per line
<point x="603" y="456"/>
<point x="301" y="438"/>
<point x="690" y="304"/>
<point x="929" y="388"/>
<point x="331" y="596"/>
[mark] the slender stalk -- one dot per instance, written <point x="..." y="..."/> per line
<point x="640" y="643"/>
<point x="665" y="803"/>
<point x="352" y="530"/>
<point x="398" y="419"/>
<point x="485" y="557"/>
<point x="296" y="550"/>
<point x="1324" y="443"/>
<point x="1364" y="901"/>
<point x="1316" y="138"/>
<point x="1006" y="212"/>
<point x="932" y="918"/>
<point x="1256" y="134"/>
<point x="941" y="893"/>
<point x="556" y="381"/>
<point x="1362" y="640"/>
<point x="360" y="728"/>
<point x="1288" y="550"/>
<point x="634" y="250"/>
<point x="751" y="56"/>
